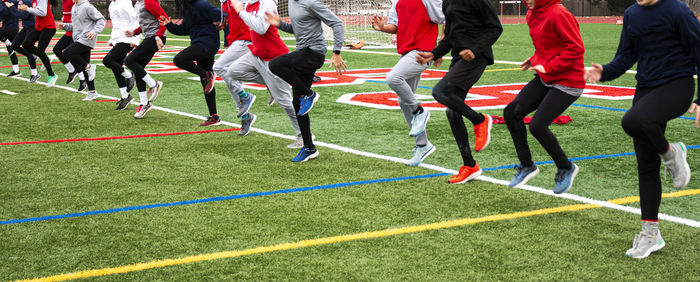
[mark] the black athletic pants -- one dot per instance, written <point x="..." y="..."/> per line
<point x="43" y="37"/>
<point x="298" y="68"/>
<point x="79" y="56"/>
<point x="196" y="60"/>
<point x="137" y="60"/>
<point x="549" y="103"/>
<point x="9" y="34"/>
<point x="114" y="60"/>
<point x="61" y="45"/>
<point x="451" y="92"/>
<point x="17" y="45"/>
<point x="646" y="122"/>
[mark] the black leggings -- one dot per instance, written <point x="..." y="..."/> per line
<point x="549" y="103"/>
<point x="17" y="46"/>
<point x="451" y="92"/>
<point x="114" y="60"/>
<point x="646" y="122"/>
<point x="196" y="60"/>
<point x="9" y="34"/>
<point x="298" y="68"/>
<point x="43" y="37"/>
<point x="79" y="56"/>
<point x="60" y="46"/>
<point x="137" y="60"/>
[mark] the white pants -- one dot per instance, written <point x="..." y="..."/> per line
<point x="236" y="50"/>
<point x="403" y="79"/>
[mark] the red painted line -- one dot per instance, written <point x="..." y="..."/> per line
<point x="119" y="137"/>
<point x="112" y="100"/>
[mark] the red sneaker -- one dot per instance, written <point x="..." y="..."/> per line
<point x="465" y="174"/>
<point x="482" y="132"/>
<point x="211" y="121"/>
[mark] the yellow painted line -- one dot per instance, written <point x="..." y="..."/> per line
<point x="495" y="70"/>
<point x="338" y="239"/>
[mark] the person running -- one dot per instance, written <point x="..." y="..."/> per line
<point x="415" y="23"/>
<point x="662" y="37"/>
<point x="298" y="68"/>
<point x="471" y="28"/>
<point x="27" y="26"/>
<point x="123" y="17"/>
<point x="253" y="65"/>
<point x="558" y="82"/>
<point x="199" y="20"/>
<point x="63" y="43"/>
<point x="44" y="29"/>
<point x="8" y="31"/>
<point x="149" y="12"/>
<point x="86" y="25"/>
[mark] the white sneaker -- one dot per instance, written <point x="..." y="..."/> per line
<point x="142" y="110"/>
<point x="678" y="167"/>
<point x="299" y="142"/>
<point x="91" y="95"/>
<point x="644" y="245"/>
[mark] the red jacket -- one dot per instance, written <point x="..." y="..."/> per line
<point x="415" y="29"/>
<point x="237" y="29"/>
<point x="46" y="21"/>
<point x="269" y="45"/>
<point x="558" y="44"/>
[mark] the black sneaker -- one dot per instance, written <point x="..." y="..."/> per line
<point x="13" y="73"/>
<point x="130" y="82"/>
<point x="124" y="102"/>
<point x="34" y="78"/>
<point x="83" y="85"/>
<point x="317" y="78"/>
<point x="71" y="77"/>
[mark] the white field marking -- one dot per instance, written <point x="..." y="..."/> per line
<point x="8" y="92"/>
<point x="684" y="221"/>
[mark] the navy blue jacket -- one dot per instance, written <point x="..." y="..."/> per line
<point x="199" y="25"/>
<point x="664" y="39"/>
<point x="27" y="18"/>
<point x="9" y="20"/>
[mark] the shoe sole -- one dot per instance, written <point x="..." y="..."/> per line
<point x="252" y="100"/>
<point x="159" y="86"/>
<point x="127" y="105"/>
<point x="488" y="134"/>
<point x="573" y="176"/>
<point x="309" y="157"/>
<point x="650" y="250"/>
<point x="527" y="178"/>
<point x="270" y="102"/>
<point x="249" y="127"/>
<point x="422" y="129"/>
<point x="474" y="175"/>
<point x="312" y="105"/>
<point x="13" y="74"/>
<point x="423" y="157"/>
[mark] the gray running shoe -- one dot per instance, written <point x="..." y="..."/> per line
<point x="91" y="95"/>
<point x="245" y="105"/>
<point x="142" y="110"/>
<point x="420" y="153"/>
<point x="523" y="175"/>
<point x="34" y="78"/>
<point x="130" y="82"/>
<point x="418" y="122"/>
<point x="678" y="167"/>
<point x="153" y="92"/>
<point x="299" y="142"/>
<point x="246" y="124"/>
<point x="644" y="245"/>
<point x="124" y="102"/>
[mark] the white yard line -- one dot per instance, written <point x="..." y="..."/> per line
<point x="548" y="192"/>
<point x="8" y="92"/>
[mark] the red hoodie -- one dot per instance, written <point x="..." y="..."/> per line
<point x="558" y="44"/>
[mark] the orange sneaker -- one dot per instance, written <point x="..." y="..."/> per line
<point x="482" y="132"/>
<point x="465" y="174"/>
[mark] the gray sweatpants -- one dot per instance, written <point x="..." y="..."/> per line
<point x="403" y="79"/>
<point x="236" y="50"/>
<point x="253" y="69"/>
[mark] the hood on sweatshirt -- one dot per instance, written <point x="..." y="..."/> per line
<point x="542" y="4"/>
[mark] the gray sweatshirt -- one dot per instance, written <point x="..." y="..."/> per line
<point x="306" y="16"/>
<point x="85" y="19"/>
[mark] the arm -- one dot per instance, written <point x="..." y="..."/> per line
<point x="625" y="57"/>
<point x="491" y="30"/>
<point x="332" y="21"/>
<point x="567" y="30"/>
<point x="99" y="19"/>
<point x="41" y="8"/>
<point x="434" y="9"/>
<point x="67" y="26"/>
<point x="258" y="22"/>
<point x="4" y="11"/>
<point x="388" y="26"/>
<point x="273" y="18"/>
<point x="156" y="10"/>
<point x="178" y="29"/>
<point x="689" y="34"/>
<point x="286" y="27"/>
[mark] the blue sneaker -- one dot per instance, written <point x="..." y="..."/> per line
<point x="306" y="103"/>
<point x="564" y="179"/>
<point x="245" y="105"/>
<point x="523" y="175"/>
<point x="418" y="122"/>
<point x="305" y="154"/>
<point x="420" y="153"/>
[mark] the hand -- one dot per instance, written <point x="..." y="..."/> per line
<point x="467" y="55"/>
<point x="60" y="25"/>
<point x="163" y="20"/>
<point x="91" y="35"/>
<point x="378" y="23"/>
<point x="129" y="33"/>
<point x="159" y="43"/>
<point x="8" y="4"/>
<point x="273" y="18"/>
<point x="696" y="108"/>
<point x="594" y="74"/>
<point x="219" y="25"/>
<point x="236" y="5"/>
<point x="538" y="68"/>
<point x="424" y="57"/>
<point x="337" y="62"/>
<point x="525" y="65"/>
<point x="22" y="7"/>
<point x="438" y="63"/>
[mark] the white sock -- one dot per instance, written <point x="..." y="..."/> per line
<point x="143" y="97"/>
<point x="8" y="42"/>
<point x="126" y="74"/>
<point x="70" y="67"/>
<point x="149" y="80"/>
<point x="15" y="68"/>
<point x="34" y="72"/>
<point x="124" y="93"/>
<point x="81" y="76"/>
